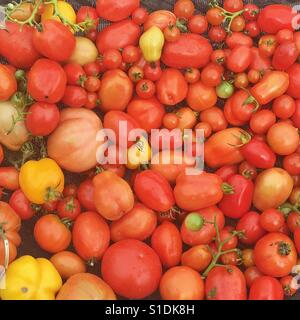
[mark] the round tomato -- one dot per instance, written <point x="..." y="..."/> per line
<point x="160" y="19"/>
<point x="116" y="90"/>
<point x="262" y="121"/>
<point x="42" y="118"/>
<point x="198" y="258"/>
<point x="171" y="88"/>
<point x="272" y="220"/>
<point x="145" y="89"/>
<point x="8" y="83"/>
<point x="9" y="178"/>
<point x="181" y="283"/>
<point x="166" y="242"/>
<point x="266" y="288"/>
<point x="285" y="56"/>
<point x="275" y="255"/>
<point x="74" y="97"/>
<point x="88" y="15"/>
<point x="55" y="41"/>
<point x="239" y="59"/>
<point x="51" y="234"/>
<point x="69" y="208"/>
<point x="139" y="16"/>
<point x="75" y="74"/>
<point x="90" y="236"/>
<point x="201" y="96"/>
<point x="46" y="81"/>
<point x="198" y="24"/>
<point x="131" y="268"/>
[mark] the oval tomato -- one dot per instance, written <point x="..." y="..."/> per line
<point x="74" y="97"/>
<point x="181" y="283"/>
<point x="114" y="10"/>
<point x="160" y="19"/>
<point x="17" y="45"/>
<point x="8" y="83"/>
<point x="201" y="97"/>
<point x="51" y="234"/>
<point x="132" y="269"/>
<point x="294" y="85"/>
<point x="116" y="90"/>
<point x="171" y="88"/>
<point x="225" y="283"/>
<point x="9" y="178"/>
<point x="285" y="56"/>
<point x="275" y="255"/>
<point x="46" y="81"/>
<point x="21" y="205"/>
<point x="266" y="288"/>
<point x="238" y="39"/>
<point x="239" y="59"/>
<point x="118" y="36"/>
<point x="154" y="191"/>
<point x="139" y="224"/>
<point x="198" y="258"/>
<point x="113" y="196"/>
<point x="148" y="113"/>
<point x="166" y="242"/>
<point x="275" y="17"/>
<point x="55" y="41"/>
<point x="206" y="232"/>
<point x="191" y="50"/>
<point x="90" y="236"/>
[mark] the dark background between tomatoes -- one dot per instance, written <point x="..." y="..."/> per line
<point x="29" y="246"/>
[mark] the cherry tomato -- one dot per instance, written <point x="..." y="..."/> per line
<point x="284" y="35"/>
<point x="239" y="59"/>
<point x="75" y="74"/>
<point x="145" y="89"/>
<point x="252" y="29"/>
<point x="251" y="11"/>
<point x="211" y="75"/>
<point x="201" y="96"/>
<point x="198" y="24"/>
<point x="192" y="75"/>
<point x="206" y="127"/>
<point x="170" y="121"/>
<point x="153" y="72"/>
<point x="21" y="205"/>
<point x="288" y="286"/>
<point x="285" y="56"/>
<point x="271" y="220"/>
<point x="139" y="16"/>
<point x="241" y="81"/>
<point x="70" y="190"/>
<point x="93" y="68"/>
<point x="267" y="45"/>
<point x="88" y="15"/>
<point x="184" y="9"/>
<point x="92" y="100"/>
<point x="131" y="54"/>
<point x="112" y="59"/>
<point x="171" y="33"/>
<point x="284" y="107"/>
<point x="251" y="274"/>
<point x="197" y="258"/>
<point x="181" y="283"/>
<point x="233" y="5"/>
<point x="266" y="288"/>
<point x="51" y="234"/>
<point x="217" y="34"/>
<point x="74" y="97"/>
<point x="214" y="16"/>
<point x="69" y="207"/>
<point x="250" y="225"/>
<point x="126" y="259"/>
<point x="42" y="118"/>
<point x="85" y="194"/>
<point x="92" y="84"/>
<point x="235" y="39"/>
<point x="238" y="24"/>
<point x="215" y="117"/>
<point x="253" y="76"/>
<point x="262" y="121"/>
<point x="90" y="236"/>
<point x="135" y="74"/>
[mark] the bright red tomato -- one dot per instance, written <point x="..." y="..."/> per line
<point x="21" y="205"/>
<point x="69" y="208"/>
<point x="266" y="288"/>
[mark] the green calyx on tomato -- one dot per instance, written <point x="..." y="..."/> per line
<point x="288" y="208"/>
<point x="181" y="24"/>
<point x="194" y="221"/>
<point x="225" y="90"/>
<point x="284" y="249"/>
<point x="227" y="188"/>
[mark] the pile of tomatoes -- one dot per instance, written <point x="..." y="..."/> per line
<point x="230" y="232"/>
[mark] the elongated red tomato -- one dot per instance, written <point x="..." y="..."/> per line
<point x="275" y="17"/>
<point x="17" y="45"/>
<point x="90" y="236"/>
<point x="166" y="242"/>
<point x="266" y="288"/>
<point x="294" y="84"/>
<point x="46" y="81"/>
<point x="239" y="59"/>
<point x="171" y="88"/>
<point x="55" y="41"/>
<point x="285" y="56"/>
<point x="226" y="283"/>
<point x="191" y="50"/>
<point x="118" y="36"/>
<point x="238" y="196"/>
<point x="115" y="10"/>
<point x="154" y="191"/>
<point x="235" y="39"/>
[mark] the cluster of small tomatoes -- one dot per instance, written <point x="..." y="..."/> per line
<point x="231" y="232"/>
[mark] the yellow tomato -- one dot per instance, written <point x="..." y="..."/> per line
<point x="139" y="153"/>
<point x="65" y="9"/>
<point x="28" y="278"/>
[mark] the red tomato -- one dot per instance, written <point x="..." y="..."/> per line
<point x="266" y="288"/>
<point x="114" y="10"/>
<point x="171" y="88"/>
<point x="8" y="83"/>
<point x="55" y="41"/>
<point x="69" y="208"/>
<point x="228" y="113"/>
<point x="275" y="255"/>
<point x="166" y="242"/>
<point x="238" y="39"/>
<point x="148" y="113"/>
<point x="88" y="15"/>
<point x="46" y="81"/>
<point x="226" y="172"/>
<point x="17" y="45"/>
<point x="21" y="205"/>
<point x="137" y="224"/>
<point x="293" y="222"/>
<point x="211" y="75"/>
<point x="193" y="192"/>
<point x="118" y="36"/>
<point x="181" y="283"/>
<point x="259" y="62"/>
<point x="42" y="118"/>
<point x="112" y="59"/>
<point x="192" y="75"/>
<point x="132" y="269"/>
<point x="51" y="234"/>
<point x="131" y="54"/>
<point x="285" y="56"/>
<point x="262" y="121"/>
<point x="252" y="29"/>
<point x="92" y="84"/>
<point x="75" y="74"/>
<point x="116" y="90"/>
<point x="291" y="163"/>
<point x="145" y="89"/>
<point x="171" y="33"/>
<point x="198" y="24"/>
<point x="160" y="19"/>
<point x="139" y="16"/>
<point x="201" y="233"/>
<point x="272" y="220"/>
<point x="90" y="236"/>
<point x="259" y="154"/>
<point x="191" y="50"/>
<point x="284" y="107"/>
<point x="154" y="191"/>
<point x="85" y="194"/>
<point x="297" y="239"/>
<point x="251" y="11"/>
<point x="238" y="195"/>
<point x="201" y="96"/>
<point x="113" y="119"/>
<point x="288" y="286"/>
<point x="251" y="274"/>
<point x="275" y="17"/>
<point x="242" y="106"/>
<point x="239" y="59"/>
<point x="225" y="283"/>
<point x="152" y="71"/>
<point x="294" y="86"/>
<point x="93" y="68"/>
<point x="9" y="178"/>
<point x="251" y="227"/>
<point x="74" y="97"/>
